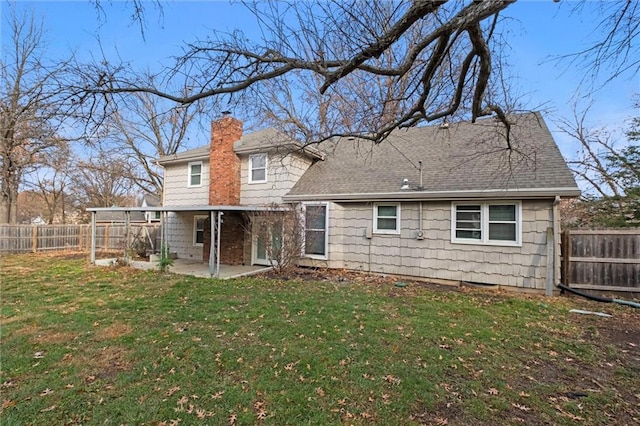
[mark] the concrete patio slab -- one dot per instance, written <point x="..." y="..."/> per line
<point x="194" y="268"/>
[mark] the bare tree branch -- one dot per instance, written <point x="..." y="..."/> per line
<point x="426" y="41"/>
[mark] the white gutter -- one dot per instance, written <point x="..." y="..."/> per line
<point x="285" y="149"/>
<point x="439" y="195"/>
<point x="247" y="208"/>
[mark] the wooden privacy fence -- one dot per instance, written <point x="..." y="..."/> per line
<point x="109" y="237"/>
<point x="601" y="259"/>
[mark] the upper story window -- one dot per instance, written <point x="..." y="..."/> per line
<point x="258" y="168"/>
<point x="386" y="218"/>
<point x="496" y="223"/>
<point x="195" y="174"/>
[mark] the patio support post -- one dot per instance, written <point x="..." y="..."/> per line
<point x="164" y="238"/>
<point x="218" y="244"/>
<point x="127" y="231"/>
<point x="212" y="236"/>
<point x="161" y="232"/>
<point x="93" y="238"/>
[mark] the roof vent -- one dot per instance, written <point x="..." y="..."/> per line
<point x="444" y="125"/>
<point x="405" y="184"/>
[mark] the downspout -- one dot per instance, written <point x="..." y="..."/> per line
<point x="556" y="239"/>
<point x="163" y="231"/>
<point x="212" y="236"/>
<point x="552" y="251"/>
<point x="420" y="230"/>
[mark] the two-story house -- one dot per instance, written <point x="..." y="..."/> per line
<point x="225" y="181"/>
<point x="463" y="202"/>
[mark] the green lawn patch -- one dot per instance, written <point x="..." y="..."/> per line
<point x="91" y="345"/>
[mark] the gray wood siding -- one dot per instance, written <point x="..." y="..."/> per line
<point x="180" y="235"/>
<point x="176" y="191"/>
<point x="282" y="173"/>
<point x="436" y="256"/>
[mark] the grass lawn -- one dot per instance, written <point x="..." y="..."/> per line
<point x="90" y="345"/>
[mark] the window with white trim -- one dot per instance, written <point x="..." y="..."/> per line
<point x="258" y="168"/>
<point x="386" y="218"/>
<point x="198" y="229"/>
<point x="195" y="174"/>
<point x="496" y="223"/>
<point x="316" y="230"/>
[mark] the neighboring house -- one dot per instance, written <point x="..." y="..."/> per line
<point x="116" y="215"/>
<point x="150" y="200"/>
<point x="38" y="220"/>
<point x="462" y="202"/>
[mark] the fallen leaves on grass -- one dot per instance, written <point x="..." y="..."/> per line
<point x="520" y="407"/>
<point x="392" y="379"/>
<point x="261" y="412"/>
<point x="7" y="403"/>
<point x="173" y="390"/>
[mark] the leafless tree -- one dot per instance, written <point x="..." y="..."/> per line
<point x="280" y="232"/>
<point x="434" y="58"/>
<point x="600" y="161"/>
<point x="103" y="181"/>
<point x="144" y="128"/>
<point x="31" y="106"/>
<point x="413" y="62"/>
<point x="52" y="182"/>
<point x="615" y="51"/>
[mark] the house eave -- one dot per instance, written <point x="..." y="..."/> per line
<point x="285" y="149"/>
<point x="223" y="208"/>
<point x="178" y="159"/>
<point x="411" y="195"/>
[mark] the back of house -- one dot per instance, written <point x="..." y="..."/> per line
<point x="464" y="202"/>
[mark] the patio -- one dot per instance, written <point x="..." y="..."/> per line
<point x="194" y="268"/>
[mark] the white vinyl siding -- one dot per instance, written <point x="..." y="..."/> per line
<point x="258" y="168"/>
<point x="175" y="193"/>
<point x="283" y="173"/>
<point x="436" y="256"/>
<point x="316" y="230"/>
<point x="386" y="218"/>
<point x="494" y="223"/>
<point x="195" y="174"/>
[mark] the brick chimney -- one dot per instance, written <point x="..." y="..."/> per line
<point x="224" y="164"/>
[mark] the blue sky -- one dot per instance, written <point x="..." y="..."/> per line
<point x="540" y="30"/>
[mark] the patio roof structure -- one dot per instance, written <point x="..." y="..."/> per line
<point x="215" y="214"/>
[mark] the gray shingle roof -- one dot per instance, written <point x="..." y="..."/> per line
<point x="273" y="140"/>
<point x="261" y="141"/>
<point x="462" y="157"/>
<point x="200" y="153"/>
